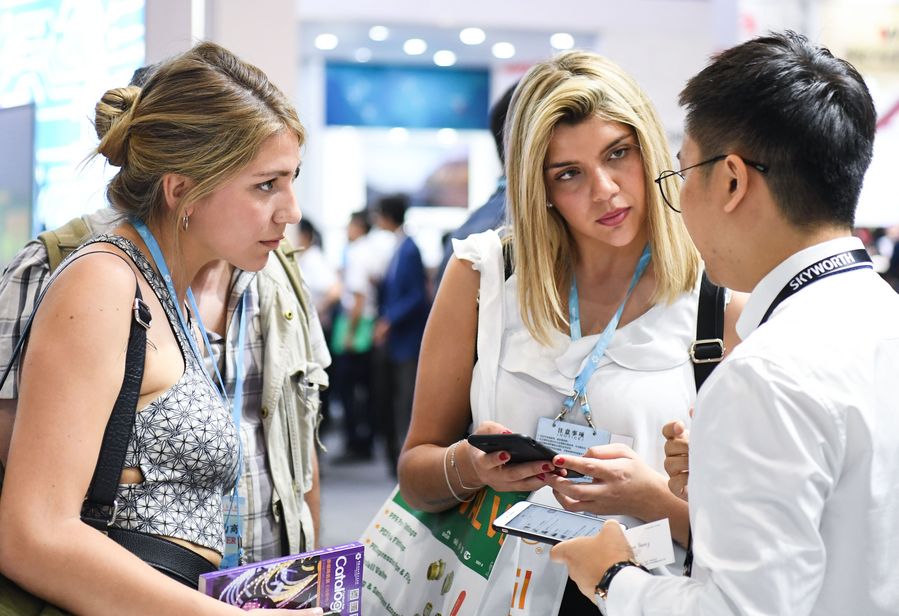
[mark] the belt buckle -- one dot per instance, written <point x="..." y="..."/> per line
<point x="114" y="514"/>
<point x="711" y="351"/>
<point x="142" y="312"/>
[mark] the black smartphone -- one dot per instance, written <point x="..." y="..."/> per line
<point x="521" y="448"/>
<point x="546" y="524"/>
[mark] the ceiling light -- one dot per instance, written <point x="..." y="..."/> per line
<point x="444" y="57"/>
<point x="447" y="136"/>
<point x="503" y="50"/>
<point x="561" y="40"/>
<point x="378" y="33"/>
<point x="363" y="54"/>
<point x="326" y="41"/>
<point x="415" y="46"/>
<point x="398" y="134"/>
<point x="472" y="36"/>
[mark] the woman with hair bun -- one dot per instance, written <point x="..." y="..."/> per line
<point x="580" y="322"/>
<point x="207" y="153"/>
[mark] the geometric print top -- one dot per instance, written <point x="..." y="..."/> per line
<point x="184" y="442"/>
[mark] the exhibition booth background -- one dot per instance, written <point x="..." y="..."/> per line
<point x="383" y="116"/>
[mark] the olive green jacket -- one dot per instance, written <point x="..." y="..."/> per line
<point x="295" y="358"/>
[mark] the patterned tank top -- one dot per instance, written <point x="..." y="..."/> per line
<point x="184" y="442"/>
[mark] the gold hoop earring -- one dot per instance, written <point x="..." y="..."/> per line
<point x="185" y="222"/>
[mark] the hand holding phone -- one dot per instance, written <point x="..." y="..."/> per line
<point x="521" y="448"/>
<point x="546" y="524"/>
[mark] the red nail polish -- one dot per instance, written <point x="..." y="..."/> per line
<point x="504" y="456"/>
<point x="507" y="432"/>
<point x="541" y="477"/>
<point x="547" y="467"/>
<point x="560" y="461"/>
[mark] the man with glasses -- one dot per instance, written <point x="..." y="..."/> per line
<point x="794" y="469"/>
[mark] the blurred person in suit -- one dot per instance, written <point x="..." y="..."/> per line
<point x="403" y="307"/>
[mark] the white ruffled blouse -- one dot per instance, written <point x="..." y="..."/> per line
<point x="644" y="380"/>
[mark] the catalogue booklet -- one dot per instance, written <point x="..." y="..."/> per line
<point x="330" y="578"/>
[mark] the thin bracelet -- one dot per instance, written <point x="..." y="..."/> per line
<point x="456" y="468"/>
<point x="450" y="485"/>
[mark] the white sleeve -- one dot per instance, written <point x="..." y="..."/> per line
<point x="356" y="274"/>
<point x="485" y="253"/>
<point x="765" y="454"/>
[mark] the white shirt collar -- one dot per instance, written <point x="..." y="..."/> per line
<point x="769" y="286"/>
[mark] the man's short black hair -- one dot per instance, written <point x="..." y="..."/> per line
<point x="498" y="114"/>
<point x="309" y="229"/>
<point x="142" y="74"/>
<point x="393" y="207"/>
<point x="361" y="218"/>
<point x="793" y="106"/>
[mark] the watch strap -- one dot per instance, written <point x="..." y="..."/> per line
<point x="602" y="588"/>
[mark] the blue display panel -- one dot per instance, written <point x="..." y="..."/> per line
<point x="16" y="178"/>
<point x="62" y="55"/>
<point x="406" y="96"/>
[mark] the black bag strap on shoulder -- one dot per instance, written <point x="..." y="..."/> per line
<point x="100" y="507"/>
<point x="508" y="260"/>
<point x="708" y="349"/>
<point x="101" y="494"/>
<point x="706" y="353"/>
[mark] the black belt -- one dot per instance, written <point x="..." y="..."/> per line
<point x="176" y="561"/>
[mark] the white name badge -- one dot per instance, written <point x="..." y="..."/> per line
<point x="575" y="439"/>
<point x="651" y="543"/>
<point x="232" y="506"/>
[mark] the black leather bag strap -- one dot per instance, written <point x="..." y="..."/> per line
<point x="100" y="504"/>
<point x="111" y="459"/>
<point x="708" y="349"/>
<point x="706" y="353"/>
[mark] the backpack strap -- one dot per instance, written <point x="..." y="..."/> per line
<point x="286" y="255"/>
<point x="63" y="241"/>
<point x="708" y="349"/>
<point x="100" y="505"/>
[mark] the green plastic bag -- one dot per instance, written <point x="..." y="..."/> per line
<point x="362" y="337"/>
<point x="444" y="560"/>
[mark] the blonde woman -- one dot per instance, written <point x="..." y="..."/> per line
<point x="207" y="153"/>
<point x="596" y="318"/>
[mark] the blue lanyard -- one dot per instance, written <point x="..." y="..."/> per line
<point x="156" y="252"/>
<point x="233" y="558"/>
<point x="574" y="317"/>
<point x="237" y="399"/>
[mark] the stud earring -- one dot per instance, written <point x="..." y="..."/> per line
<point x="549" y="205"/>
<point x="185" y="222"/>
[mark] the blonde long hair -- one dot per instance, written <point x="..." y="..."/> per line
<point x="572" y="87"/>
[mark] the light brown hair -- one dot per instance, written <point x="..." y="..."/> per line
<point x="203" y="114"/>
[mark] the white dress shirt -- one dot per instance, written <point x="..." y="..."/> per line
<point x="794" y="462"/>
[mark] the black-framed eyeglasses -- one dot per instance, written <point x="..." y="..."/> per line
<point x="665" y="176"/>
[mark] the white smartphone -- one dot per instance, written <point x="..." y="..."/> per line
<point x="546" y="524"/>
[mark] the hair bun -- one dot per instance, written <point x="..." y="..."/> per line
<point x="112" y="117"/>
